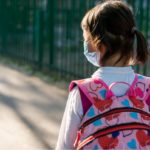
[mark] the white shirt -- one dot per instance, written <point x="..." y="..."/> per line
<point x="74" y="111"/>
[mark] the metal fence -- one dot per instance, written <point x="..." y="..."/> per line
<point x="47" y="33"/>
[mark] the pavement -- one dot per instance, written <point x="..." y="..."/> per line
<point x="30" y="111"/>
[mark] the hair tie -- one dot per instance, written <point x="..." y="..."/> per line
<point x="134" y="29"/>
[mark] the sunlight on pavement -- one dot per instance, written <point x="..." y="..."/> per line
<point x="31" y="111"/>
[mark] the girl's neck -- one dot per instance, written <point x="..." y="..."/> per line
<point x="111" y="62"/>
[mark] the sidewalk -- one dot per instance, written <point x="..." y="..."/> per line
<point x="30" y="111"/>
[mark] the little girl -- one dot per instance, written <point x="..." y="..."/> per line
<point x="109" y="110"/>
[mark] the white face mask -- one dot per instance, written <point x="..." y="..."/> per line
<point x="92" y="57"/>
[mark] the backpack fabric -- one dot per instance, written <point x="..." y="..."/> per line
<point x="112" y="122"/>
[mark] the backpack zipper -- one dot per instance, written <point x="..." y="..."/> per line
<point x="110" y="129"/>
<point x="113" y="111"/>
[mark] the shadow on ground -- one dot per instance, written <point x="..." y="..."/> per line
<point x="31" y="111"/>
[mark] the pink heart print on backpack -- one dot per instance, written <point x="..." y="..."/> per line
<point x="114" y="122"/>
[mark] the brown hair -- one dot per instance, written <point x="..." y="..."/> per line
<point x="112" y="24"/>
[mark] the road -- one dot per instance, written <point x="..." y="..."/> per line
<point x="30" y="111"/>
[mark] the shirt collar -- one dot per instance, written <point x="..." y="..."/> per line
<point x="113" y="70"/>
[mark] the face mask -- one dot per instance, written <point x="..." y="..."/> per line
<point x="92" y="57"/>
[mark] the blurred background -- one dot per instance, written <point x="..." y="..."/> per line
<point x="46" y="35"/>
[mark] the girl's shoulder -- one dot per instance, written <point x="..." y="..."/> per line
<point x="141" y="75"/>
<point x="143" y="78"/>
<point x="78" y="83"/>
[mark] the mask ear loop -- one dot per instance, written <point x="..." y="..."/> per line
<point x="130" y="92"/>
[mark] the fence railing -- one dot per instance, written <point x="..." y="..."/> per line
<point x="47" y="33"/>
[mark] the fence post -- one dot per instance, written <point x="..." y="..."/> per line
<point x="140" y="23"/>
<point x="51" y="11"/>
<point x="4" y="28"/>
<point x="38" y="36"/>
<point x="146" y="30"/>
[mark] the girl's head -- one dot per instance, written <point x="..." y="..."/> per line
<point x="110" y="28"/>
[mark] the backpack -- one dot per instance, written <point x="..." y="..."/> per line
<point x="113" y="122"/>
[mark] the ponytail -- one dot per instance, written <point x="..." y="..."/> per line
<point x="142" y="48"/>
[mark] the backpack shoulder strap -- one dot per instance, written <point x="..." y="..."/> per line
<point x="82" y="85"/>
<point x="143" y="88"/>
<point x="92" y="90"/>
<point x="86" y="103"/>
